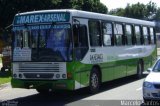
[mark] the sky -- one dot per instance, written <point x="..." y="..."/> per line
<point x="112" y="4"/>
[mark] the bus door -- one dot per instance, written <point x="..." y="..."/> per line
<point x="80" y="50"/>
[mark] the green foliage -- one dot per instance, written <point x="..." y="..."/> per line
<point x="157" y="16"/>
<point x="117" y="12"/>
<point x="89" y="5"/>
<point x="151" y="8"/>
<point x="5" y="77"/>
<point x="139" y="11"/>
<point x="136" y="11"/>
<point x="8" y="8"/>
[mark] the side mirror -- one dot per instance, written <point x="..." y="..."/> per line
<point x="149" y="69"/>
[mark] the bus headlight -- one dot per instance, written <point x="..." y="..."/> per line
<point x="57" y="76"/>
<point x="20" y="75"/>
<point x="63" y="75"/>
<point x="15" y="75"/>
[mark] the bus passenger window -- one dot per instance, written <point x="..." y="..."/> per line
<point x="138" y="35"/>
<point x="94" y="33"/>
<point x="146" y="35"/>
<point x="152" y="35"/>
<point x="118" y="32"/>
<point x="107" y="34"/>
<point x="128" y="34"/>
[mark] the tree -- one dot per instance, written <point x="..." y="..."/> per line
<point x="8" y="8"/>
<point x="135" y="11"/>
<point x="117" y="11"/>
<point x="151" y="10"/>
<point x="139" y="11"/>
<point x="157" y="15"/>
<point x="90" y="5"/>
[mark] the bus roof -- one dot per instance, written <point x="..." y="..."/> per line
<point x="92" y="15"/>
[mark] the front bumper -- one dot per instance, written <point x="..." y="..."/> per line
<point x="43" y="84"/>
<point x="151" y="93"/>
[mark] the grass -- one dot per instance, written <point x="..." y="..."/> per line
<point x="5" y="80"/>
<point x="5" y="77"/>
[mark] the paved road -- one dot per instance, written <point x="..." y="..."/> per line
<point x="123" y="89"/>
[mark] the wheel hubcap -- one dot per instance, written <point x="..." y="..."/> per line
<point x="94" y="80"/>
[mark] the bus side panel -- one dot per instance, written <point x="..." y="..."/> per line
<point x="107" y="70"/>
<point x="81" y="74"/>
<point x="150" y="60"/>
<point x="85" y="74"/>
<point x="72" y="69"/>
<point x="131" y="66"/>
<point x="120" y="69"/>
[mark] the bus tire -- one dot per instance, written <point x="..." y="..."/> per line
<point x="94" y="83"/>
<point x="140" y="69"/>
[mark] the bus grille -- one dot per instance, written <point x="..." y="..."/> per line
<point x="42" y="67"/>
<point x="40" y="70"/>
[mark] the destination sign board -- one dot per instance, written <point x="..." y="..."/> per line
<point x="41" y="18"/>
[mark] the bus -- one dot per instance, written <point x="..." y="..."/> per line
<point x="70" y="49"/>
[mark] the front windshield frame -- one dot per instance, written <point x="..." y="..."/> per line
<point x="51" y="26"/>
<point x="156" y="67"/>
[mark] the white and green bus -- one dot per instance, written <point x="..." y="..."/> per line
<point x="71" y="49"/>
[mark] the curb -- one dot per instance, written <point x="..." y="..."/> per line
<point x="2" y="86"/>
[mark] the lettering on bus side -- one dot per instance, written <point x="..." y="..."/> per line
<point x="42" y="18"/>
<point x="96" y="58"/>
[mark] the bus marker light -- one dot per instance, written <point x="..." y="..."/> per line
<point x="69" y="75"/>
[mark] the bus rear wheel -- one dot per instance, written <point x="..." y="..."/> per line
<point x="94" y="81"/>
<point x="139" y="70"/>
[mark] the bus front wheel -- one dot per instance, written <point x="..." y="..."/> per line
<point x="94" y="80"/>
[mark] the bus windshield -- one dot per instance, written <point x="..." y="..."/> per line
<point x="42" y="43"/>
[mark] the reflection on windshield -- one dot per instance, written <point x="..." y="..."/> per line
<point x="157" y="67"/>
<point x="58" y="41"/>
<point x="18" y="39"/>
<point x="51" y="44"/>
